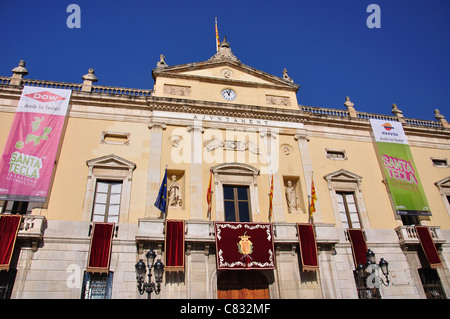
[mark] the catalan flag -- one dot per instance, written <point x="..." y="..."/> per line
<point x="161" y="200"/>
<point x="217" y="38"/>
<point x="209" y="195"/>
<point x="312" y="207"/>
<point x="270" y="200"/>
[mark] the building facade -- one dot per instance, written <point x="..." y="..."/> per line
<point x="242" y="130"/>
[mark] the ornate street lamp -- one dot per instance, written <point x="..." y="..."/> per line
<point x="363" y="269"/>
<point x="149" y="286"/>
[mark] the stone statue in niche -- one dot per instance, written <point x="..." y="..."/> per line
<point x="174" y="193"/>
<point x="292" y="198"/>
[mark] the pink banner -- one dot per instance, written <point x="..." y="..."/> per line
<point x="26" y="166"/>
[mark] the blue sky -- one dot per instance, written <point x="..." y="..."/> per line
<point x="326" y="46"/>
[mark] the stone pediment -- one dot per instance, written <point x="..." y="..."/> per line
<point x="343" y="175"/>
<point x="225" y="72"/>
<point x="235" y="169"/>
<point x="443" y="183"/>
<point x="111" y="161"/>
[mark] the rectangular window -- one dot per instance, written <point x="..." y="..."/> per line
<point x="431" y="283"/>
<point x="236" y="203"/>
<point x="335" y="154"/>
<point x="348" y="210"/>
<point x="439" y="162"/>
<point x="107" y="202"/>
<point x="15" y="207"/>
<point x="7" y="279"/>
<point x="97" y="286"/>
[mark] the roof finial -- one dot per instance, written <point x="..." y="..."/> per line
<point x="18" y="73"/>
<point x="441" y="118"/>
<point x="224" y="52"/>
<point x="286" y="76"/>
<point x="162" y="62"/>
<point x="350" y="107"/>
<point x="88" y="79"/>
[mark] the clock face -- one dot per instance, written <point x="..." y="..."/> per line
<point x="228" y="94"/>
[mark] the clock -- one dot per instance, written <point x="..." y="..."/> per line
<point x="228" y="94"/>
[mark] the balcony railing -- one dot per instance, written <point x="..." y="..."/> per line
<point x="408" y="235"/>
<point x="32" y="229"/>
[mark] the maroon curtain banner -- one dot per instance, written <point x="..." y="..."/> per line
<point x="308" y="247"/>
<point x="9" y="227"/>
<point x="244" y="246"/>
<point x="174" y="245"/>
<point x="100" y="249"/>
<point x="359" y="246"/>
<point x="428" y="246"/>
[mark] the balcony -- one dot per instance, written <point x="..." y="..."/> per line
<point x="407" y="235"/>
<point x="32" y="229"/>
<point x="196" y="231"/>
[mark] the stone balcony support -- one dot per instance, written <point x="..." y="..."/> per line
<point x="32" y="229"/>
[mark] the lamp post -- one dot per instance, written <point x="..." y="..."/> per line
<point x="158" y="267"/>
<point x="369" y="281"/>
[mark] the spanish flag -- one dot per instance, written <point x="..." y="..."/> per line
<point x="217" y="38"/>
<point x="209" y="195"/>
<point x="270" y="200"/>
<point x="312" y="207"/>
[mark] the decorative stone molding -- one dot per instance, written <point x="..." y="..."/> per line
<point x="115" y="138"/>
<point x="178" y="90"/>
<point x="232" y="145"/>
<point x="278" y="100"/>
<point x="156" y="124"/>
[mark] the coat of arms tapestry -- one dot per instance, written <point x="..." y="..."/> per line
<point x="244" y="246"/>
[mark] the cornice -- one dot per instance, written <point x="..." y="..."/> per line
<point x="108" y="105"/>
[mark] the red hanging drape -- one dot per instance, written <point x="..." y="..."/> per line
<point x="308" y="246"/>
<point x="9" y="227"/>
<point x="428" y="246"/>
<point x="174" y="245"/>
<point x="100" y="249"/>
<point x="244" y="245"/>
<point x="359" y="246"/>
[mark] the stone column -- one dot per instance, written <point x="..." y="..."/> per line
<point x="271" y="142"/>
<point x="302" y="139"/>
<point x="195" y="187"/>
<point x="154" y="169"/>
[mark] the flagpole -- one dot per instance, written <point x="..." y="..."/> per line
<point x="310" y="218"/>
<point x="271" y="197"/>
<point x="167" y="199"/>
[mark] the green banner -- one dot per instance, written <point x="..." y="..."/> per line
<point x="399" y="169"/>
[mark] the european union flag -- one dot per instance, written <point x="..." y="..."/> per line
<point x="161" y="200"/>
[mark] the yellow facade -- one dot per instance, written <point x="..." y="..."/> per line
<point x="189" y="126"/>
